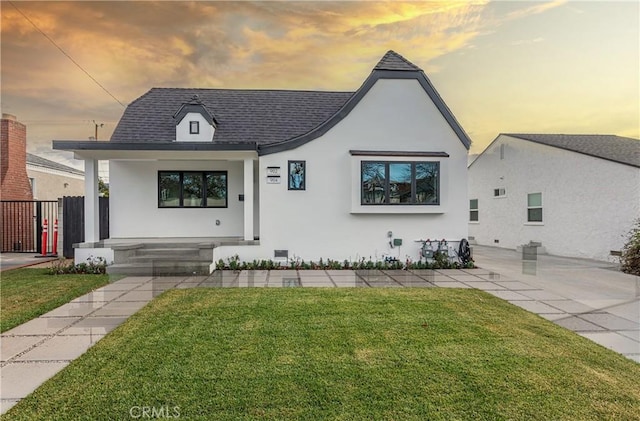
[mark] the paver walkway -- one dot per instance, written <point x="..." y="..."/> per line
<point x="35" y="351"/>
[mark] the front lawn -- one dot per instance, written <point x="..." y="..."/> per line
<point x="351" y="354"/>
<point x="29" y="293"/>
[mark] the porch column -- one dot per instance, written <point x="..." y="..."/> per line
<point x="91" y="209"/>
<point x="248" y="199"/>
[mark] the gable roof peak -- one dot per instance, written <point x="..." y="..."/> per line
<point x="195" y="100"/>
<point x="394" y="61"/>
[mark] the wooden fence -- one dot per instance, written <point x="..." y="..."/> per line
<point x="73" y="221"/>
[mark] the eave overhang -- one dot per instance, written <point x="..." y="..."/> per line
<point x="149" y="150"/>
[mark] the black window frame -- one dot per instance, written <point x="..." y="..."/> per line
<point x="191" y="127"/>
<point x="203" y="174"/>
<point x="303" y="166"/>
<point x="387" y="188"/>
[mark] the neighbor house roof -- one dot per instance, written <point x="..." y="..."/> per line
<point x="267" y="121"/>
<point x="38" y="161"/>
<point x="624" y="150"/>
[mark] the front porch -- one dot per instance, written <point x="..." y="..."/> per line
<point x="192" y="220"/>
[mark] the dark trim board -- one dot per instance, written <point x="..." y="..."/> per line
<point x="400" y="153"/>
<point x="194" y="108"/>
<point x="357" y="97"/>
<point x="147" y="146"/>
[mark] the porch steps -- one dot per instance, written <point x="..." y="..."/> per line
<point x="162" y="259"/>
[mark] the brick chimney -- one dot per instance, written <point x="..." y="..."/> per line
<point x="14" y="182"/>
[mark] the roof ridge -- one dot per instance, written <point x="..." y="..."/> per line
<point x="39" y="161"/>
<point x="394" y="61"/>
<point x="245" y="90"/>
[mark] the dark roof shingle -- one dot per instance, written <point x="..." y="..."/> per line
<point x="394" y="61"/>
<point x="243" y="116"/>
<point x="624" y="150"/>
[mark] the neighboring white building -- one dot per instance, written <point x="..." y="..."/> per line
<point x="51" y="180"/>
<point x="577" y="195"/>
<point x="305" y="174"/>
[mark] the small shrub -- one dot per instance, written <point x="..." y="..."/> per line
<point x="93" y="266"/>
<point x="630" y="259"/>
<point x="440" y="261"/>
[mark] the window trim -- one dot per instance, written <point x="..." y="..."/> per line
<point x="387" y="183"/>
<point x="194" y="127"/>
<point x="541" y="207"/>
<point x="476" y="210"/>
<point x="204" y="196"/>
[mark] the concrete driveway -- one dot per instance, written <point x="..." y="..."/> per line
<point x="17" y="260"/>
<point x="591" y="298"/>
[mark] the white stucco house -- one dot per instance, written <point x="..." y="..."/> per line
<point x="576" y="195"/>
<point x="274" y="174"/>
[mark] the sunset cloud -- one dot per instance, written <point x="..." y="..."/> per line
<point x="130" y="47"/>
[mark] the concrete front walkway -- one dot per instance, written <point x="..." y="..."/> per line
<point x="583" y="296"/>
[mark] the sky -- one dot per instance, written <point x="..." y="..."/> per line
<point x="501" y="67"/>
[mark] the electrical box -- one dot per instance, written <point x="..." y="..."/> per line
<point x="397" y="242"/>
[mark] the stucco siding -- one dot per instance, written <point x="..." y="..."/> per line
<point x="48" y="185"/>
<point x="395" y="115"/>
<point x="134" y="211"/>
<point x="589" y="203"/>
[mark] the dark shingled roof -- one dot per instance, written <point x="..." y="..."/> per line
<point x="46" y="163"/>
<point x="243" y="116"/>
<point x="624" y="150"/>
<point x="394" y="61"/>
<point x="267" y="121"/>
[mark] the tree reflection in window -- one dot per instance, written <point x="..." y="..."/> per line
<point x="398" y="183"/>
<point x="427" y="182"/>
<point x="191" y="189"/>
<point x="216" y="189"/>
<point x="374" y="176"/>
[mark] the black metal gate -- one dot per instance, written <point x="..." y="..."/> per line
<point x="73" y="221"/>
<point x="22" y="225"/>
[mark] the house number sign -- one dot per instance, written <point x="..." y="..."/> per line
<point x="273" y="171"/>
<point x="273" y="175"/>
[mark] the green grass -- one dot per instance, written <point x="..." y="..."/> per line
<point x="350" y="354"/>
<point x="29" y="293"/>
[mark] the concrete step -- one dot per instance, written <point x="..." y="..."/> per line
<point x="178" y="245"/>
<point x="175" y="253"/>
<point x="158" y="258"/>
<point x="160" y="268"/>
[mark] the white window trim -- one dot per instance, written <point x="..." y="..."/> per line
<point x="477" y="209"/>
<point x="534" y="223"/>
